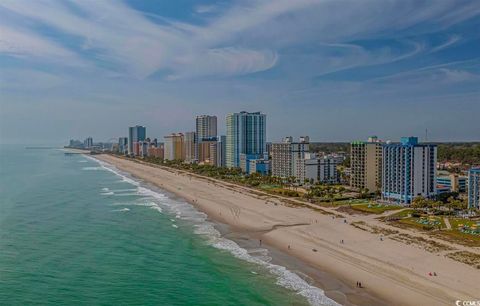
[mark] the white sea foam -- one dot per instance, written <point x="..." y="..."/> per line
<point x="93" y="168"/>
<point x="174" y="225"/>
<point x="125" y="190"/>
<point x="105" y="189"/>
<point x="126" y="194"/>
<point x="185" y="211"/>
<point x="107" y="193"/>
<point x="122" y="210"/>
<point x="83" y="161"/>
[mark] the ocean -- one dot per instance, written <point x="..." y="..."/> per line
<point x="74" y="231"/>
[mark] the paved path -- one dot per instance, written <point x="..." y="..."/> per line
<point x="447" y="223"/>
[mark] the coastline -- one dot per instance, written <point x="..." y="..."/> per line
<point x="392" y="272"/>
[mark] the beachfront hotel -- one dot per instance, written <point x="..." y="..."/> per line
<point x="173" y="147"/>
<point x="88" y="143"/>
<point x="408" y="170"/>
<point x="206" y="131"/>
<point x="135" y="134"/>
<point x="246" y="134"/>
<point x="474" y="188"/>
<point x="206" y="127"/>
<point x="366" y="164"/>
<point x="221" y="148"/>
<point x="318" y="169"/>
<point x="123" y="145"/>
<point x="190" y="147"/>
<point x="286" y="156"/>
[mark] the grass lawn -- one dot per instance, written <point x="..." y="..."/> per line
<point x="431" y="222"/>
<point x="327" y="203"/>
<point x="403" y="214"/>
<point x="456" y="221"/>
<point x="455" y="233"/>
<point x="269" y="187"/>
<point x="375" y="208"/>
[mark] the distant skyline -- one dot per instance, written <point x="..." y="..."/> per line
<point x="333" y="70"/>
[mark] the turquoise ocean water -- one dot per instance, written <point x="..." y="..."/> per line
<point x="74" y="231"/>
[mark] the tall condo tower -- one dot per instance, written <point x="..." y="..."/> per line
<point x="246" y="134"/>
<point x="135" y="134"/>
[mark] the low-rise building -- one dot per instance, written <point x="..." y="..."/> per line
<point x="451" y="183"/>
<point x="260" y="165"/>
<point x="156" y="151"/>
<point x="319" y="169"/>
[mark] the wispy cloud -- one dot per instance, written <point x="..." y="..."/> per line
<point x="203" y="9"/>
<point x="451" y="40"/>
<point x="22" y="43"/>
<point x="246" y="37"/>
<point x="117" y="34"/>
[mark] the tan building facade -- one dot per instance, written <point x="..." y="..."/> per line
<point x="173" y="147"/>
<point x="366" y="164"/>
<point x="190" y="147"/>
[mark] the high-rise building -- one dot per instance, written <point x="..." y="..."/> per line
<point x="474" y="188"/>
<point x="220" y="151"/>
<point x="173" y="147"/>
<point x="286" y="156"/>
<point x="88" y="143"/>
<point x="366" y="164"/>
<point x="191" y="147"/>
<point x="135" y="134"/>
<point x="206" y="131"/>
<point x="246" y="134"/>
<point x="408" y="170"/>
<point x="143" y="148"/>
<point x="207" y="151"/>
<point x="123" y="145"/>
<point x="206" y="127"/>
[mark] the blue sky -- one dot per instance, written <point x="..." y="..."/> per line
<point x="336" y="70"/>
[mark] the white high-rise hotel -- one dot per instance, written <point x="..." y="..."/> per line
<point x="408" y="170"/>
<point x="286" y="156"/>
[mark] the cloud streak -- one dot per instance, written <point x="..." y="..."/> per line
<point x="245" y="38"/>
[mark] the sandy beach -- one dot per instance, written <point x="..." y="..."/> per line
<point x="391" y="272"/>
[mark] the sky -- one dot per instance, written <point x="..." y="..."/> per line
<point x="336" y="70"/>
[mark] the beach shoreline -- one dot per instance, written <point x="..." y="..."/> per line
<point x="392" y="272"/>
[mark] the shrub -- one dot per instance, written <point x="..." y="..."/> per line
<point x="416" y="214"/>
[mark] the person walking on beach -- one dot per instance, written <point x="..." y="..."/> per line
<point x="260" y="241"/>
